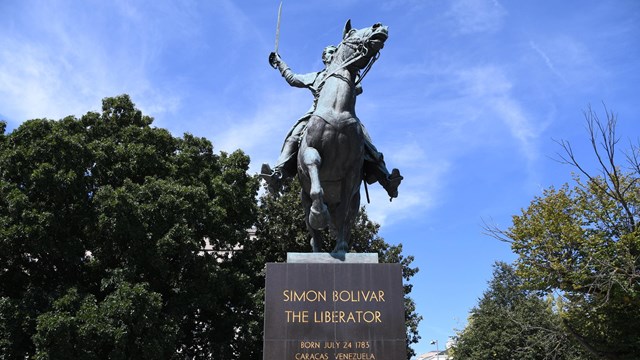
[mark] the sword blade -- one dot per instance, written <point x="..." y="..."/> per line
<point x="278" y="28"/>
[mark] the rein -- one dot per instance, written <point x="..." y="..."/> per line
<point x="368" y="67"/>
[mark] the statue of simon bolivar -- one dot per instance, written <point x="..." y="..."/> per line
<point x="375" y="168"/>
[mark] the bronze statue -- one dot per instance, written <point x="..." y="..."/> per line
<point x="334" y="151"/>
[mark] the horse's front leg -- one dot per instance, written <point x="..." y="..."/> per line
<point x="346" y="222"/>
<point x="319" y="213"/>
<point x="316" y="235"/>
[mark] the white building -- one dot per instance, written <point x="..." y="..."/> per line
<point x="437" y="355"/>
<point x="433" y="355"/>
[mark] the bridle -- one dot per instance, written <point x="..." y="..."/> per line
<point x="360" y="52"/>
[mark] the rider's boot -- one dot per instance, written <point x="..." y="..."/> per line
<point x="392" y="183"/>
<point x="376" y="170"/>
<point x="273" y="178"/>
<point x="287" y="158"/>
<point x="286" y="162"/>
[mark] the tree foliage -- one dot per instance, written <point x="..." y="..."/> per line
<point x="281" y="229"/>
<point x="102" y="223"/>
<point x="512" y="323"/>
<point x="583" y="242"/>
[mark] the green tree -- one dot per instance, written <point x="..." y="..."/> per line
<point x="512" y="323"/>
<point x="583" y="242"/>
<point x="281" y="228"/>
<point x="102" y="224"/>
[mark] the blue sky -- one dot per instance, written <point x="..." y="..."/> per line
<point x="466" y="99"/>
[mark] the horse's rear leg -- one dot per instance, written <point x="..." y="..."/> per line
<point x="318" y="214"/>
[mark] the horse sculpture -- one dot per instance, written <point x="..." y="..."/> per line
<point x="331" y="154"/>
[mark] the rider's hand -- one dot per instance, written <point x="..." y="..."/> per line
<point x="274" y="60"/>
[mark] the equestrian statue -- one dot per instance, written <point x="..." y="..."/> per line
<point x="328" y="147"/>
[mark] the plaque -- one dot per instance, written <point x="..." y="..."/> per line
<point x="334" y="311"/>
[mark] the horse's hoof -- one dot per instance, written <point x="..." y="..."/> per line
<point x="340" y="249"/>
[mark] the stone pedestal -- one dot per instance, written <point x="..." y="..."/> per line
<point x="334" y="310"/>
<point x="323" y="258"/>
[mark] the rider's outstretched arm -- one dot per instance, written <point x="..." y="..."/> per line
<point x="293" y="79"/>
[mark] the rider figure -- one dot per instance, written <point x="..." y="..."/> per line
<point x="375" y="168"/>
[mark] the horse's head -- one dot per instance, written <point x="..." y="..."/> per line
<point x="359" y="46"/>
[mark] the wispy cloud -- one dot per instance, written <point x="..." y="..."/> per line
<point x="474" y="16"/>
<point x="63" y="60"/>
<point x="411" y="5"/>
<point x="514" y="117"/>
<point x="490" y="87"/>
<point x="37" y="82"/>
<point x="547" y="60"/>
<point x="570" y="60"/>
<point x="68" y="69"/>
